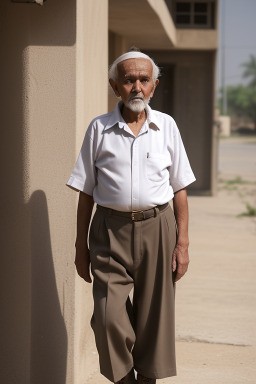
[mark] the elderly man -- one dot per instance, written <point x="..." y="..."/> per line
<point x="131" y="164"/>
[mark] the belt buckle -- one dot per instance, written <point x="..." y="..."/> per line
<point x="137" y="215"/>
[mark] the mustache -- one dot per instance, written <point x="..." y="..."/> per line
<point x="137" y="96"/>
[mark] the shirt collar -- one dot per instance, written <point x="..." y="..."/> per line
<point x="117" y="118"/>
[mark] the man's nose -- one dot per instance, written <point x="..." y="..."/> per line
<point x="137" y="86"/>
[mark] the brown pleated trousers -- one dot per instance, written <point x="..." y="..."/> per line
<point x="128" y="254"/>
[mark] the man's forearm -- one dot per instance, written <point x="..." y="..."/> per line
<point x="180" y="206"/>
<point x="84" y="212"/>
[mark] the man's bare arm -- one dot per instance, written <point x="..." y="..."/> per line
<point x="180" y="258"/>
<point x="82" y="259"/>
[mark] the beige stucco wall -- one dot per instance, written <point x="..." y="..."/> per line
<point x="15" y="241"/>
<point x="203" y="39"/>
<point x="92" y="100"/>
<point x="117" y="46"/>
<point x="49" y="93"/>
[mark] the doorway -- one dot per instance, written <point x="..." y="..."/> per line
<point x="163" y="99"/>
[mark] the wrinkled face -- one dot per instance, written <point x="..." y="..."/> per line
<point x="135" y="83"/>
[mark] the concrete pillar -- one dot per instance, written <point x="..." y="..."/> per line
<point x="14" y="218"/>
<point x="53" y="82"/>
<point x="92" y="100"/>
<point x="117" y="46"/>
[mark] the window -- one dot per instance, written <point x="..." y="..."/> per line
<point x="194" y="14"/>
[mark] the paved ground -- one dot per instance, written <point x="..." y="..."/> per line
<point x="216" y="311"/>
<point x="215" y="301"/>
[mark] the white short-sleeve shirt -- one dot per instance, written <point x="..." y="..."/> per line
<point x="127" y="172"/>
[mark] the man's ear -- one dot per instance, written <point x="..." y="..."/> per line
<point x="114" y="87"/>
<point x="153" y="90"/>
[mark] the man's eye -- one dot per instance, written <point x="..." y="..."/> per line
<point x="127" y="81"/>
<point x="144" y="80"/>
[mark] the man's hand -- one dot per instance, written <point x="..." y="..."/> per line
<point x="82" y="262"/>
<point x="180" y="261"/>
<point x="180" y="258"/>
<point x="82" y="259"/>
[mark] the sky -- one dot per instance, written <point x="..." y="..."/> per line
<point x="237" y="38"/>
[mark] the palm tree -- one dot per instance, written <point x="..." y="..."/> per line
<point x="250" y="71"/>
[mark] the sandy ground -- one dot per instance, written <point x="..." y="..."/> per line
<point x="216" y="299"/>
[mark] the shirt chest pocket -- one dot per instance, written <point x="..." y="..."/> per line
<point x="157" y="166"/>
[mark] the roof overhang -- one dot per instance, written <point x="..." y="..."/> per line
<point x="148" y="25"/>
<point x="144" y="23"/>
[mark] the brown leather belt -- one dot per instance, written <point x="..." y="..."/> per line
<point x="135" y="215"/>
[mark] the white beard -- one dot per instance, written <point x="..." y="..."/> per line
<point x="137" y="105"/>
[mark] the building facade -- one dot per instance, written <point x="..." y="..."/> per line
<point x="54" y="66"/>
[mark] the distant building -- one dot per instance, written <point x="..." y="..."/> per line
<point x="184" y="43"/>
<point x="54" y="68"/>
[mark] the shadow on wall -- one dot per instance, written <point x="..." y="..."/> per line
<point x="48" y="332"/>
<point x="33" y="336"/>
